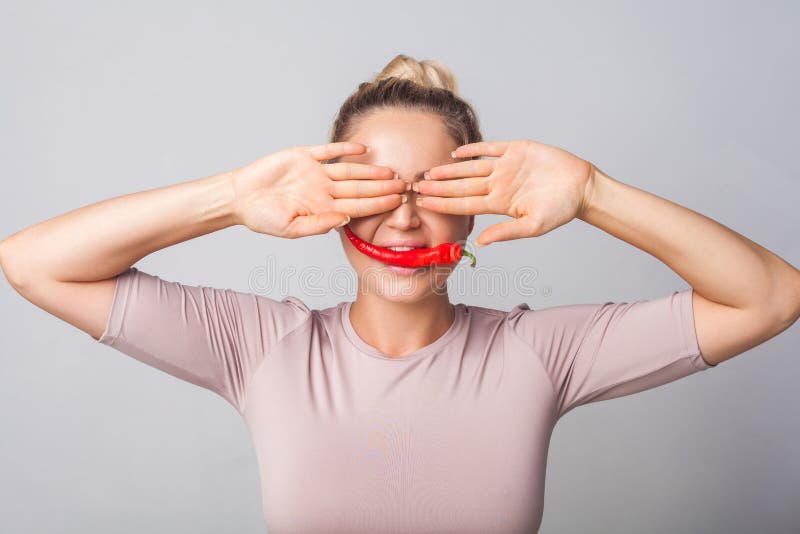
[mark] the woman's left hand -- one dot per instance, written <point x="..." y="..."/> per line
<point x="541" y="186"/>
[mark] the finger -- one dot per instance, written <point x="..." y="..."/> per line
<point x="318" y="223"/>
<point x="361" y="207"/>
<point x="462" y="187"/>
<point x="334" y="150"/>
<point x="463" y="169"/>
<point x="482" y="148"/>
<point x="350" y="171"/>
<point x="505" y="231"/>
<point x="458" y="206"/>
<point x="366" y="188"/>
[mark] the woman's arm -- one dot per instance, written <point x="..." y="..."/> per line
<point x="68" y="265"/>
<point x="99" y="241"/>
<point x="743" y="293"/>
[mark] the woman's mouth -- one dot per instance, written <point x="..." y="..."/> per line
<point x="403" y="248"/>
<point x="406" y="255"/>
<point x="404" y="271"/>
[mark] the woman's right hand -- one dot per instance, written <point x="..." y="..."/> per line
<point x="291" y="193"/>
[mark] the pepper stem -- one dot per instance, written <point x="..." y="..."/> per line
<point x="469" y="255"/>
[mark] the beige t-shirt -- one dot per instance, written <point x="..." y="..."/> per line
<point x="450" y="438"/>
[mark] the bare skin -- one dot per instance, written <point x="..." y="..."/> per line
<point x="398" y="313"/>
<point x="75" y="257"/>
<point x="543" y="187"/>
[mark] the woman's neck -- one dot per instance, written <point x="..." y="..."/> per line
<point x="400" y="328"/>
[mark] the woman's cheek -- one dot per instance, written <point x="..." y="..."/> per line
<point x="453" y="227"/>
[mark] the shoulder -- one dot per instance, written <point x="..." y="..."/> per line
<point x="485" y="315"/>
<point x="495" y="313"/>
<point x="527" y="321"/>
<point x="301" y="308"/>
<point x="485" y="311"/>
<point x="297" y="303"/>
<point x="328" y="318"/>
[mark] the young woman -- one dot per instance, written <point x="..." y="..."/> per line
<point x="400" y="411"/>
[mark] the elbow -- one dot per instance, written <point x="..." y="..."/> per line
<point x="4" y="258"/>
<point x="779" y="309"/>
<point x="10" y="267"/>
<point x="789" y="296"/>
<point x="795" y="312"/>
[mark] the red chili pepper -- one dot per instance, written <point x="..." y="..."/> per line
<point x="444" y="253"/>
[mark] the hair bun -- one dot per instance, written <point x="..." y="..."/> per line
<point x="428" y="73"/>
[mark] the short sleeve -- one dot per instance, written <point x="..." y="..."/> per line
<point x="594" y="352"/>
<point x="213" y="338"/>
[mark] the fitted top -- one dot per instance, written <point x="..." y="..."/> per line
<point x="452" y="437"/>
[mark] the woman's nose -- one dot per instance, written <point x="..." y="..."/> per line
<point x="406" y="213"/>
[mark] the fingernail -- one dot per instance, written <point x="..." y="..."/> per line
<point x="343" y="222"/>
<point x="427" y="175"/>
<point x="415" y="186"/>
<point x="408" y="186"/>
<point x="368" y="149"/>
<point x="419" y="201"/>
<point x="396" y="176"/>
<point x="453" y="154"/>
<point x="405" y="198"/>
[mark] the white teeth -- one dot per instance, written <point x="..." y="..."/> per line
<point x="402" y="248"/>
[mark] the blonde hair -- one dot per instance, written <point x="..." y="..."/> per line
<point x="428" y="72"/>
<point x="407" y="83"/>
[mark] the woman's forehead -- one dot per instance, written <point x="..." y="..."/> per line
<point x="399" y="125"/>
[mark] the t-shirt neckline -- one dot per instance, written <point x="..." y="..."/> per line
<point x="427" y="350"/>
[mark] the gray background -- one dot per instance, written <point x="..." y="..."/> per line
<point x="695" y="102"/>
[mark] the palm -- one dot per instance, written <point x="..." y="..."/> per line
<point x="291" y="193"/>
<point x="542" y="187"/>
<point x="273" y="200"/>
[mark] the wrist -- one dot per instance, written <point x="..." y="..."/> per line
<point x="221" y="206"/>
<point x="590" y="192"/>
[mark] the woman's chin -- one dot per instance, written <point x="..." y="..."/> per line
<point x="405" y="284"/>
<point x="407" y="271"/>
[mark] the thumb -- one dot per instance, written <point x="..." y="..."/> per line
<point x="319" y="223"/>
<point x="505" y="231"/>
